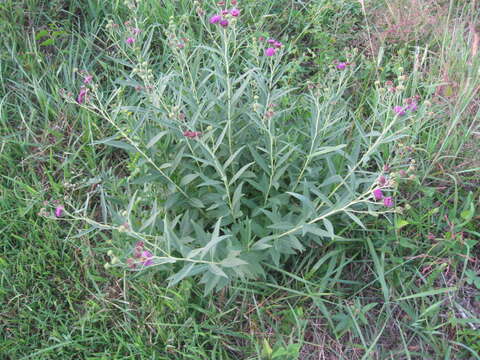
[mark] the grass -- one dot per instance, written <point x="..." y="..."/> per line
<point x="405" y="286"/>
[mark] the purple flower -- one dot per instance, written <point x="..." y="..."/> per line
<point x="81" y="95"/>
<point x="271" y="41"/>
<point x="412" y="106"/>
<point x="146" y="258"/>
<point x="388" y="201"/>
<point x="399" y="110"/>
<point x="234" y="12"/>
<point x="377" y="194"/>
<point x="277" y="44"/>
<point x="224" y="23"/>
<point x="87" y="79"/>
<point x="59" y="211"/>
<point x="270" y="51"/>
<point x="341" y="65"/>
<point x="136" y="31"/>
<point x="130" y="40"/>
<point x="215" y="19"/>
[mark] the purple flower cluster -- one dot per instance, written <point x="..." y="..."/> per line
<point x="131" y="39"/>
<point x="411" y="104"/>
<point x="273" y="46"/>
<point x="221" y="19"/>
<point x="140" y="257"/>
<point x="378" y="193"/>
<point x="387" y="200"/>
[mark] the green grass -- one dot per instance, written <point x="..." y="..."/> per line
<point x="405" y="287"/>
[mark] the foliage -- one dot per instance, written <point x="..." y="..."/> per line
<point x="100" y="182"/>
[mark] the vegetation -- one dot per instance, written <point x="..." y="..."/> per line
<point x="280" y="180"/>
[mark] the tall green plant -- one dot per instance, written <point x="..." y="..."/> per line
<point x="230" y="169"/>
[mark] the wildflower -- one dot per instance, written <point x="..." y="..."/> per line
<point x="399" y="110"/>
<point x="412" y="106"/>
<point x="382" y="180"/>
<point x="87" y="79"/>
<point x="146" y="258"/>
<point x="59" y="211"/>
<point x="131" y="263"/>
<point x="224" y="23"/>
<point x="215" y="19"/>
<point x="271" y="41"/>
<point x="234" y="2"/>
<point x="377" y="194"/>
<point x="388" y="201"/>
<point x="269" y="114"/>
<point x="136" y="31"/>
<point x="234" y="12"/>
<point x="130" y="40"/>
<point x="277" y="44"/>
<point x="191" y="134"/>
<point x="270" y="51"/>
<point x="225" y="12"/>
<point x="180" y="45"/>
<point x="81" y="95"/>
<point x="341" y="66"/>
<point x="386" y="168"/>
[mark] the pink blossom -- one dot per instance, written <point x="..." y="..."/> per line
<point x="277" y="44"/>
<point x="261" y="38"/>
<point x="399" y="110"/>
<point x="270" y="51"/>
<point x="81" y="95"/>
<point x="59" y="211"/>
<point x="234" y="2"/>
<point x="146" y="258"/>
<point x="180" y="45"/>
<point x="136" y="31"/>
<point x="224" y="23"/>
<point x="234" y="12"/>
<point x="377" y="194"/>
<point x="131" y="263"/>
<point x="271" y="41"/>
<point x="341" y="65"/>
<point x="191" y="134"/>
<point x="215" y="19"/>
<point x="225" y="12"/>
<point x="388" y="201"/>
<point x="382" y="180"/>
<point x="130" y="40"/>
<point x="87" y="79"/>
